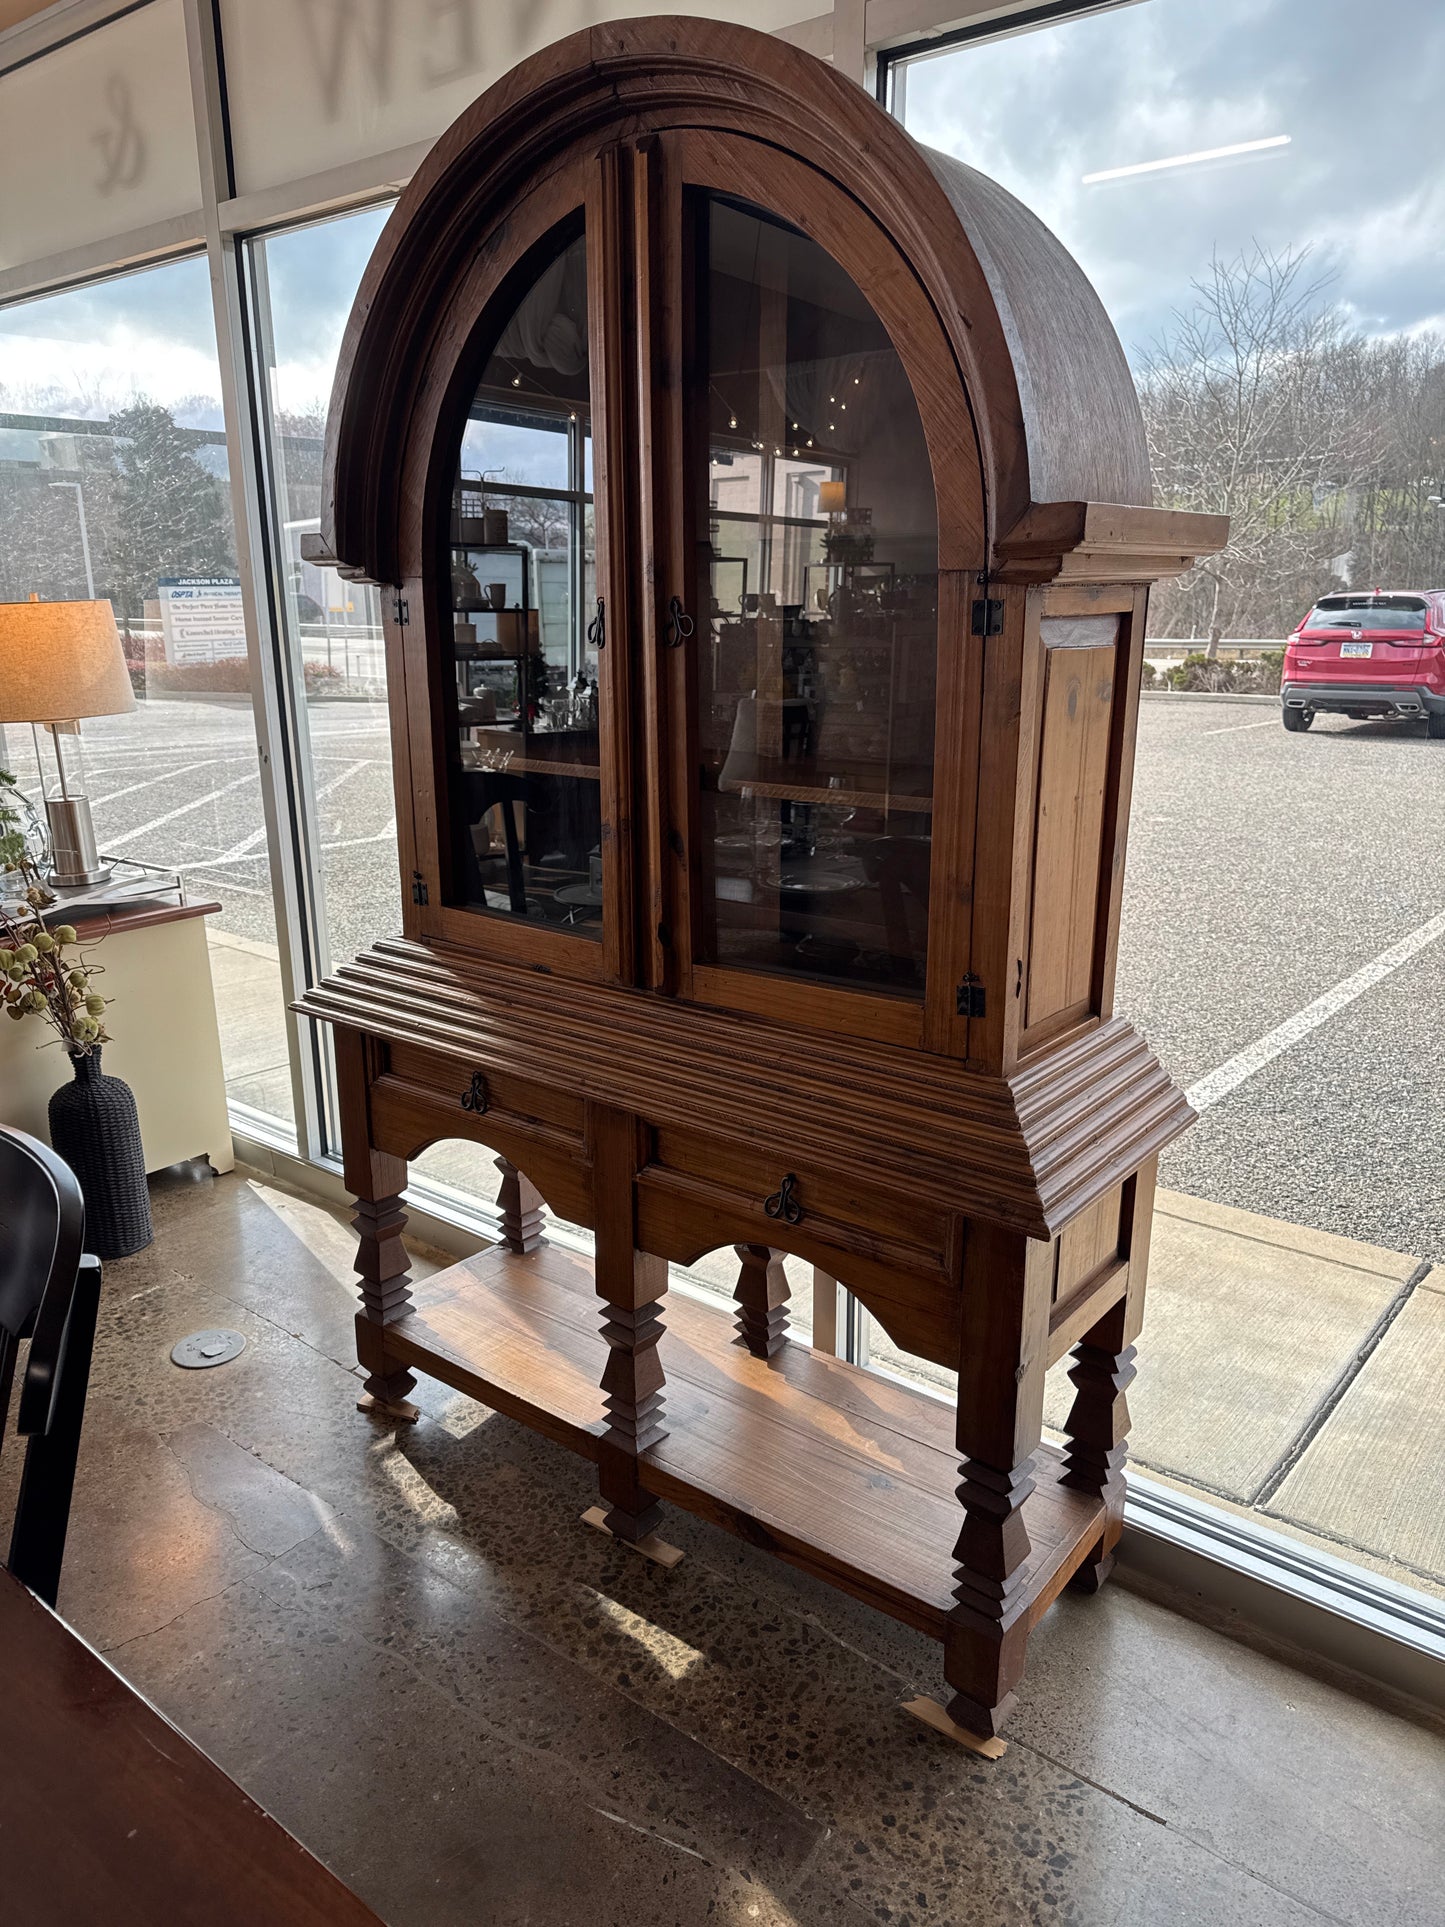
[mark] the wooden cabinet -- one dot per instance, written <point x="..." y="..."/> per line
<point x="761" y="502"/>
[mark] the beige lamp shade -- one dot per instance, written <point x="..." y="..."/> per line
<point x="832" y="497"/>
<point x="60" y="661"/>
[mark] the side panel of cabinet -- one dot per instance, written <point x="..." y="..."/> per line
<point x="1084" y="672"/>
<point x="1076" y="712"/>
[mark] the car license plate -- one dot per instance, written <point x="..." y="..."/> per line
<point x="1357" y="648"/>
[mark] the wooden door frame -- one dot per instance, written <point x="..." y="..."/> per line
<point x="582" y="192"/>
<point x="735" y="163"/>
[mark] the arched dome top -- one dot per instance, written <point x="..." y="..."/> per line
<point x="1055" y="412"/>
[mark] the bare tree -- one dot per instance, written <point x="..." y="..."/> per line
<point x="1257" y="409"/>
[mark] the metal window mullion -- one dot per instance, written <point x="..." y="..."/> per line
<point x="294" y="882"/>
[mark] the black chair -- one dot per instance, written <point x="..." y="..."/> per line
<point x="50" y="1294"/>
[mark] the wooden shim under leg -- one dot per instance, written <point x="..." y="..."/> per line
<point x="400" y="1409"/>
<point x="653" y="1548"/>
<point x="932" y="1714"/>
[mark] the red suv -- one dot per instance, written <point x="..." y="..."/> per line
<point x="1362" y="654"/>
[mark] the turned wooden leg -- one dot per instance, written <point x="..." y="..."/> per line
<point x="1004" y="1349"/>
<point x="1098" y="1429"/>
<point x="632" y="1384"/>
<point x="632" y="1285"/>
<point x="984" y="1654"/>
<point x="377" y="1180"/>
<point x="761" y="1296"/>
<point x="523" y="1213"/>
<point x="1102" y="1369"/>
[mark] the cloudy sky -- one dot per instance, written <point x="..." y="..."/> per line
<point x="1357" y="86"/>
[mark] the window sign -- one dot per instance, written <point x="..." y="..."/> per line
<point x="315" y="83"/>
<point x="98" y="137"/>
<point x="201" y="619"/>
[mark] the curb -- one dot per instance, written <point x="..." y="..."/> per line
<point x="1204" y="696"/>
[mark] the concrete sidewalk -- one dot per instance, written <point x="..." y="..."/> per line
<point x="1291" y="1375"/>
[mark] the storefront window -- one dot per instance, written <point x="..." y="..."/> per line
<point x="114" y="483"/>
<point x="303" y="283"/>
<point x="1276" y="285"/>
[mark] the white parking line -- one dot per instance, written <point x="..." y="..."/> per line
<point x="386" y="835"/>
<point x="113" y="843"/>
<point x="1243" y="1065"/>
<point x="1235" y="728"/>
<point x="257" y="837"/>
<point x="131" y="788"/>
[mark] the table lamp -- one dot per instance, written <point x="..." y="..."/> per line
<point x="60" y="661"/>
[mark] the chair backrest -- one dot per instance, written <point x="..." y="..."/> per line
<point x="42" y="1224"/>
<point x="42" y="1237"/>
<point x="50" y="1293"/>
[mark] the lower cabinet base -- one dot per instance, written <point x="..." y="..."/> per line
<point x="845" y="1475"/>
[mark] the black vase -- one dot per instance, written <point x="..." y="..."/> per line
<point x="94" y="1127"/>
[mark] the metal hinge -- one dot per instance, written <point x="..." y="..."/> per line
<point x="403" y="612"/>
<point x="987" y="617"/>
<point x="971" y="997"/>
<point x="418" y="888"/>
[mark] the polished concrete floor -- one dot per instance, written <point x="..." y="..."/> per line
<point x="476" y="1710"/>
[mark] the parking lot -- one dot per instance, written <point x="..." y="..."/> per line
<point x="1283" y="944"/>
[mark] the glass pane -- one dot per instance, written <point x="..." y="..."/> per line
<point x="305" y="281"/>
<point x="818" y="590"/>
<point x="1288" y="979"/>
<point x="113" y="483"/>
<point x="526" y="815"/>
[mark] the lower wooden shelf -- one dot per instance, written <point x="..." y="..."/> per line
<point x="842" y="1473"/>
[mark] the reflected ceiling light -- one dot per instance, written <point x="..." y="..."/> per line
<point x="1188" y="160"/>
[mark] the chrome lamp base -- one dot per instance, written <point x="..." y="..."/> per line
<point x="74" y="858"/>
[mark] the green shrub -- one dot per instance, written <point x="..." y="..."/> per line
<point x="228" y="676"/>
<point x="1246" y="676"/>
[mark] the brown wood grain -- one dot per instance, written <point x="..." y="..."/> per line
<point x="976" y="1164"/>
<point x="108" y="1812"/>
<point x="1073" y="776"/>
<point x="95" y="925"/>
<point x="839" y="1472"/>
<point x="1114" y="832"/>
<point x="1031" y="1149"/>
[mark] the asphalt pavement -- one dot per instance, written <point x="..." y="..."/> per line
<point x="1277" y="945"/>
<point x="1266" y="871"/>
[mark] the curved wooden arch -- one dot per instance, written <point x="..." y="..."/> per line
<point x="1053" y="404"/>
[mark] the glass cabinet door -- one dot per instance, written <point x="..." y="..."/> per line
<point x="816" y="589"/>
<point x="524" y="641"/>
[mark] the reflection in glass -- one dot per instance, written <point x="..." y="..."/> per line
<point x="113" y="483"/>
<point x="305" y="280"/>
<point x="523" y="644"/>
<point x="818" y="576"/>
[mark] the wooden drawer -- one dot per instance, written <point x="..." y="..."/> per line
<point x="699" y="1192"/>
<point x="501" y="1094"/>
<point x="422" y="1096"/>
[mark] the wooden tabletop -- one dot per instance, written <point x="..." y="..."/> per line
<point x="92" y="924"/>
<point x="107" y="1812"/>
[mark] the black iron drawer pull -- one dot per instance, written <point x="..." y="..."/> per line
<point x="475" y="1097"/>
<point x="597" y="627"/>
<point x="782" y="1204"/>
<point x="680" y="624"/>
